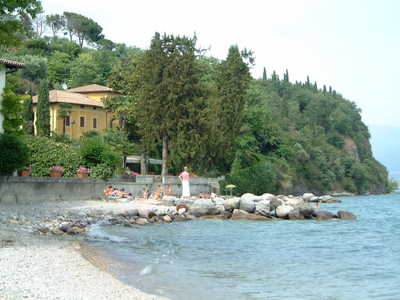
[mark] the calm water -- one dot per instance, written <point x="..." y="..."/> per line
<point x="214" y="259"/>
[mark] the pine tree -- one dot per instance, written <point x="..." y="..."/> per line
<point x="324" y="90"/>
<point x="28" y="116"/>
<point x="286" y="76"/>
<point x="315" y="87"/>
<point x="330" y="90"/>
<point x="308" y="84"/>
<point x="264" y="74"/>
<point x="43" y="110"/>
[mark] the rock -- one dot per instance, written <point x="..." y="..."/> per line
<point x="295" y="215"/>
<point x="282" y="211"/>
<point x="180" y="218"/>
<point x="145" y="212"/>
<point x="314" y="199"/>
<point x="231" y="203"/>
<point x="346" y="215"/>
<point x="252" y="197"/>
<point x="323" y="215"/>
<point x="75" y="230"/>
<point x="247" y="204"/>
<point x="127" y="212"/>
<point x="218" y="200"/>
<point x="274" y="203"/>
<point x="167" y="219"/>
<point x="43" y="229"/>
<point x="220" y="208"/>
<point x="263" y="208"/>
<point x="326" y="198"/>
<point x="214" y="217"/>
<point x="203" y="207"/>
<point x="239" y="214"/>
<point x="307" y="196"/>
<point x="306" y="211"/>
<point x="181" y="209"/>
<point x="293" y="201"/>
<point x="165" y="210"/>
<point x="170" y="199"/>
<point x="267" y="196"/>
<point x="141" y="221"/>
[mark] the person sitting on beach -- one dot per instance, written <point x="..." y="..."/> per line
<point x="122" y="193"/>
<point x="108" y="191"/>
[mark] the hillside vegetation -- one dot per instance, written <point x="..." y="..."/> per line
<point x="263" y="135"/>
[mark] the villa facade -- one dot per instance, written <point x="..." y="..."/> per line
<point x="78" y="110"/>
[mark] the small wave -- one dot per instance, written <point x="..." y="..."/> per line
<point x="146" y="270"/>
<point x="95" y="233"/>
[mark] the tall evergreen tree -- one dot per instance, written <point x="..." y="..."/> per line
<point x="168" y="104"/>
<point x="324" y="90"/>
<point x="286" y="76"/>
<point x="233" y="78"/>
<point x="28" y="116"/>
<point x="264" y="74"/>
<point x="308" y="84"/>
<point x="43" y="110"/>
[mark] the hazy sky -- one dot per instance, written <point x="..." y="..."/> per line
<point x="352" y="45"/>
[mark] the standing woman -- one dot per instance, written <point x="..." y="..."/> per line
<point x="184" y="177"/>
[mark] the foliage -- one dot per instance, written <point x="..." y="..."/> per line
<point x="98" y="156"/>
<point x="12" y="109"/>
<point x="43" y="110"/>
<point x="28" y="116"/>
<point x="10" y="25"/>
<point x="14" y="154"/>
<point x="46" y="153"/>
<point x="84" y="28"/>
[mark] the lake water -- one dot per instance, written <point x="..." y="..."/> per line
<point x="223" y="259"/>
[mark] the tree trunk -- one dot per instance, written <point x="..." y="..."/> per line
<point x="143" y="164"/>
<point x="164" y="169"/>
<point x="64" y="120"/>
<point x="124" y="162"/>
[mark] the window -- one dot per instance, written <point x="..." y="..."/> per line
<point x="67" y="121"/>
<point x="94" y="107"/>
<point x="82" y="121"/>
<point x="82" y="106"/>
<point x="94" y="123"/>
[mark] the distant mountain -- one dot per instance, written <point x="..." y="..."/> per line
<point x="385" y="141"/>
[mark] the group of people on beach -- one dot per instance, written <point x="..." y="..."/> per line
<point x="113" y="193"/>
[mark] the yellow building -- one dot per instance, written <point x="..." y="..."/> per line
<point x="78" y="110"/>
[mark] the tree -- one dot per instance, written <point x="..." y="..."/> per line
<point x="39" y="25"/>
<point x="84" y="28"/>
<point x="28" y="116"/>
<point x="169" y="101"/>
<point x="59" y="67"/>
<point x="264" y="74"/>
<point x="43" y="110"/>
<point x="56" y="22"/>
<point x="233" y="78"/>
<point x="11" y="26"/>
<point x="12" y="109"/>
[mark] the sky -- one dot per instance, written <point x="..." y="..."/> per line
<point x="351" y="45"/>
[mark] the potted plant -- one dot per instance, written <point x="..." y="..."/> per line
<point x="230" y="187"/>
<point x="25" y="171"/>
<point x="83" y="172"/>
<point x="56" y="171"/>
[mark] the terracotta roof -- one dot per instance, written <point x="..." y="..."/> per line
<point x="57" y="96"/>
<point x="11" y="63"/>
<point x="91" y="88"/>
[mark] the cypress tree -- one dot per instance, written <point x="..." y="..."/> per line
<point x="330" y="90"/>
<point x="308" y="84"/>
<point x="233" y="79"/>
<point x="264" y="74"/>
<point x="286" y="76"/>
<point x="28" y="116"/>
<point x="315" y="86"/>
<point x="324" y="90"/>
<point x="43" y="110"/>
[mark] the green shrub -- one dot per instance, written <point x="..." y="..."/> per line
<point x="98" y="156"/>
<point x="14" y="154"/>
<point x="45" y="153"/>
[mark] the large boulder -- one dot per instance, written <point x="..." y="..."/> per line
<point x="231" y="203"/>
<point x="202" y="207"/>
<point x="294" y="201"/>
<point x="326" y="198"/>
<point x="247" y="204"/>
<point x="239" y="214"/>
<point x="307" y="196"/>
<point x="295" y="215"/>
<point x="252" y="197"/>
<point x="345" y="215"/>
<point x="306" y="211"/>
<point x="268" y="196"/>
<point x="282" y="211"/>
<point x="146" y="212"/>
<point x="218" y="200"/>
<point x="165" y="210"/>
<point x="323" y="215"/>
<point x="263" y="208"/>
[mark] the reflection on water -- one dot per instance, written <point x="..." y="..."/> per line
<point x="214" y="259"/>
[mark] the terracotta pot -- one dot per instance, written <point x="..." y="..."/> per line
<point x="25" y="173"/>
<point x="55" y="174"/>
<point x="83" y="175"/>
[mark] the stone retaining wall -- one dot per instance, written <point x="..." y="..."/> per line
<point x="25" y="190"/>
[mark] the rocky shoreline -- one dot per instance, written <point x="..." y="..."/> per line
<point x="76" y="217"/>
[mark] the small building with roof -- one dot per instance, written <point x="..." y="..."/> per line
<point x="6" y="65"/>
<point x="76" y="111"/>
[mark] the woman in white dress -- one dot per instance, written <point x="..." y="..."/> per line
<point x="184" y="177"/>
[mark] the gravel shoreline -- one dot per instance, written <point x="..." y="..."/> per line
<point x="36" y="266"/>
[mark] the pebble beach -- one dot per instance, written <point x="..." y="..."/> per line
<point x="33" y="266"/>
